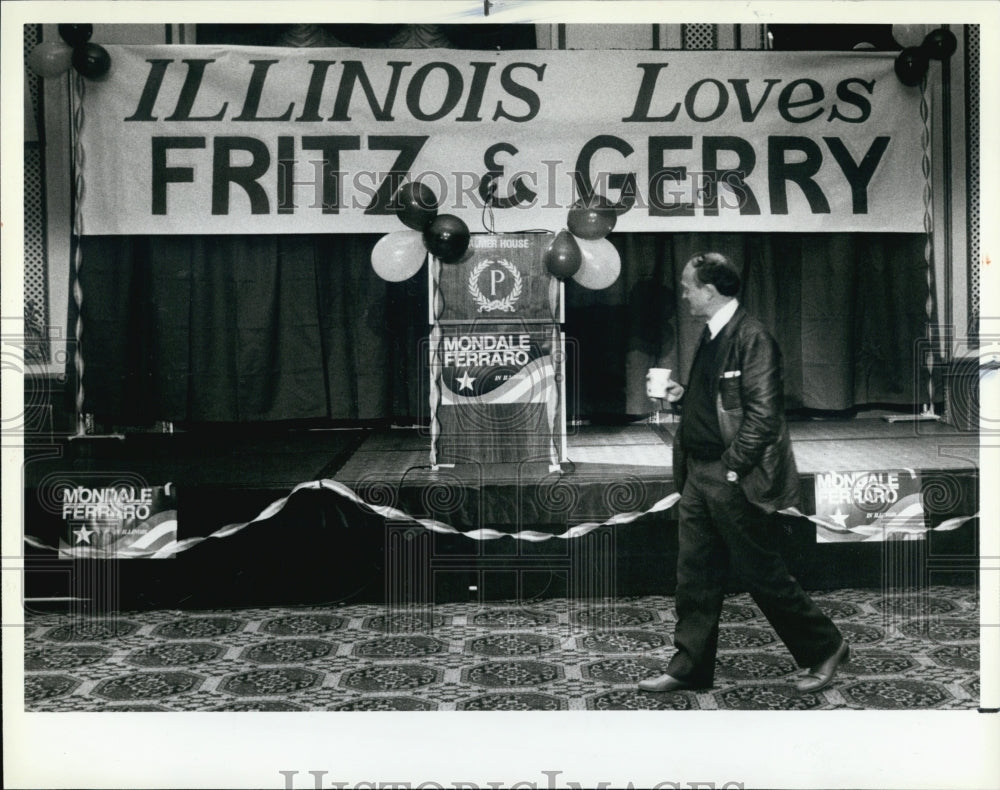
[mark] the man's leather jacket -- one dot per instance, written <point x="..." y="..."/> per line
<point x="749" y="398"/>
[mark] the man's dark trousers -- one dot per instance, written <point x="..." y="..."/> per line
<point x="719" y="530"/>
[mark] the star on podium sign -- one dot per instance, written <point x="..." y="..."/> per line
<point x="83" y="534"/>
<point x="840" y="518"/>
<point x="465" y="381"/>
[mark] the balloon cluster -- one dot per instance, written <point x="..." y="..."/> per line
<point x="52" y="58"/>
<point x="398" y="256"/>
<point x="911" y="64"/>
<point x="581" y="251"/>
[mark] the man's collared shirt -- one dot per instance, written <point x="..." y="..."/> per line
<point x="721" y="317"/>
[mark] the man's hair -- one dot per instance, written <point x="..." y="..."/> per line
<point x="714" y="268"/>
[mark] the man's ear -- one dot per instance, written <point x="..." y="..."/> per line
<point x="712" y="290"/>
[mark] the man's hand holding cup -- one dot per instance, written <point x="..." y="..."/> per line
<point x="659" y="386"/>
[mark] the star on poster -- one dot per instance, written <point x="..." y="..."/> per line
<point x="83" y="534"/>
<point x="465" y="381"/>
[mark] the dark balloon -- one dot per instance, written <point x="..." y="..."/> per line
<point x="940" y="44"/>
<point x="911" y="66"/>
<point x="563" y="256"/>
<point x="91" y="60"/>
<point x="417" y="205"/>
<point x="447" y="238"/>
<point x="592" y="219"/>
<point x="75" y="35"/>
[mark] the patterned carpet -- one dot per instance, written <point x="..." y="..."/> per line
<point x="913" y="650"/>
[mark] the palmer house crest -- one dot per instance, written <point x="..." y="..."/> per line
<point x="502" y="274"/>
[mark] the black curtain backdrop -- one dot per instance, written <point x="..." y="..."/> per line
<point x="242" y="329"/>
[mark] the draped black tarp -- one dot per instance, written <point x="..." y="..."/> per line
<point x="261" y="328"/>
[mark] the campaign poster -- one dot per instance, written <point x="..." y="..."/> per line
<point x="869" y="506"/>
<point x="498" y="393"/>
<point x="119" y="522"/>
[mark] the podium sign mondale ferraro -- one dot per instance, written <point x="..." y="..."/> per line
<point x="497" y="352"/>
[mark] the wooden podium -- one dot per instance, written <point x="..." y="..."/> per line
<point x="497" y="355"/>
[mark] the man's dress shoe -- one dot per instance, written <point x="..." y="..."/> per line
<point x="662" y="683"/>
<point x="821" y="675"/>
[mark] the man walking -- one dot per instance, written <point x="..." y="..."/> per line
<point x="733" y="466"/>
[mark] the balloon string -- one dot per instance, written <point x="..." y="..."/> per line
<point x="77" y="90"/>
<point x="491" y="195"/>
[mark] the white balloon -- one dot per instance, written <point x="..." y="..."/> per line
<point x="50" y="58"/>
<point x="398" y="256"/>
<point x="601" y="264"/>
<point x="909" y="35"/>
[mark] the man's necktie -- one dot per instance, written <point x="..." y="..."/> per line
<point x="706" y="336"/>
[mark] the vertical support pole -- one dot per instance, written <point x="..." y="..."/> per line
<point x="435" y="307"/>
<point x="84" y="422"/>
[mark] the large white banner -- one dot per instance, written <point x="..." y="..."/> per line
<point x="187" y="139"/>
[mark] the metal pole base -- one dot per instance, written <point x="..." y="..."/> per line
<point x="85" y="430"/>
<point x="927" y="415"/>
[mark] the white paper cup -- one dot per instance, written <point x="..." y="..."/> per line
<point x="656" y="382"/>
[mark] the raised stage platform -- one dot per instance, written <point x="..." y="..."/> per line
<point x="321" y="546"/>
<point x="625" y="468"/>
